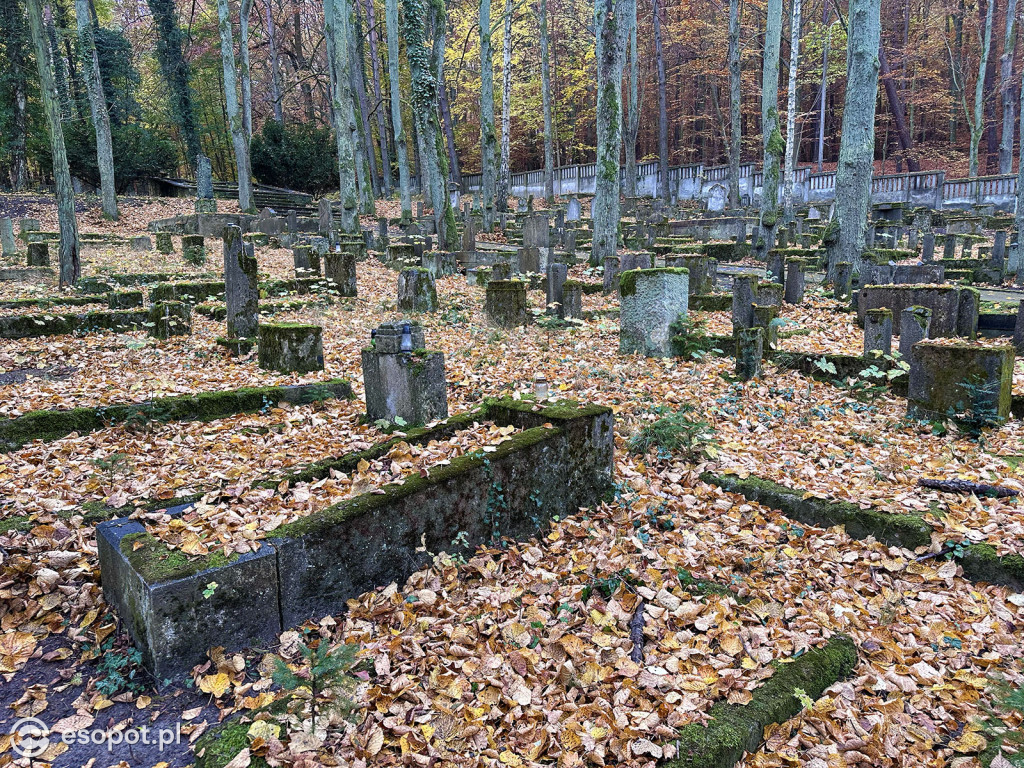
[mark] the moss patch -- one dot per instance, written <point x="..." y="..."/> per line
<point x="219" y="746"/>
<point x="154" y="562"/>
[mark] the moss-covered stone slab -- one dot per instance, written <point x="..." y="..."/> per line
<point x="964" y="380"/>
<point x="36" y="325"/>
<point x="734" y="729"/>
<point x="191" y="292"/>
<point x="169" y="318"/>
<point x="204" y="406"/>
<point x="124" y="299"/>
<point x="561" y="461"/>
<point x="291" y="347"/>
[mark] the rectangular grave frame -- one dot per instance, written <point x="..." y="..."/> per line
<point x="314" y="565"/>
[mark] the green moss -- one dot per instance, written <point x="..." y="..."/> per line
<point x="981" y="563"/>
<point x="733" y="729"/>
<point x="16" y="524"/>
<point x="155" y="562"/>
<point x="219" y="746"/>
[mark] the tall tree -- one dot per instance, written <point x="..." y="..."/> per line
<point x="391" y="21"/>
<point x="611" y="23"/>
<point x="16" y="43"/>
<point x="663" y="186"/>
<point x="545" y="92"/>
<point x="1018" y="219"/>
<point x="70" y="266"/>
<point x="633" y="108"/>
<point x="97" y="107"/>
<point x="1006" y="88"/>
<point x="896" y="109"/>
<point x="792" y="146"/>
<point x="488" y="135"/>
<point x="504" y="171"/>
<point x="735" y="103"/>
<point x="857" y="146"/>
<point x="245" y="9"/>
<point x="362" y="108"/>
<point x="238" y="138"/>
<point x="341" y="112"/>
<point x="977" y="121"/>
<point x="276" y="91"/>
<point x="379" y="113"/>
<point x="823" y="91"/>
<point x="773" y="144"/>
<point x="423" y="29"/>
<point x="176" y="72"/>
<point x="449" y="128"/>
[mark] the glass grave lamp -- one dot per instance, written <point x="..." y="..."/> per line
<point x="540" y="387"/>
<point x="406" y="338"/>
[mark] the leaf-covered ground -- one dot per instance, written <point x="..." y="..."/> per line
<point x="520" y="656"/>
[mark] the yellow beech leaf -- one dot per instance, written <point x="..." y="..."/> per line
<point x="216" y="684"/>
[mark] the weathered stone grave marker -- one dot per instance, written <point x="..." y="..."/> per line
<point x="402" y="379"/>
<point x="650" y="302"/>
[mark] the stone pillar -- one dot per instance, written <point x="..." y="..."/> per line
<point x="769" y="295"/>
<point x="38" y="254"/>
<point x="912" y="238"/>
<point x="326" y="218"/>
<point x="969" y="381"/>
<point x="763" y="317"/>
<point x="164" y="243"/>
<point x="928" y="247"/>
<point x="340" y="272"/>
<point x="712" y="274"/>
<point x="293" y="222"/>
<point x="843" y="282"/>
<point x="782" y="238"/>
<point x="140" y="244"/>
<point x="612" y="267"/>
<point x="915" y="323"/>
<point x="877" y="333"/>
<point x="776" y="265"/>
<point x="999" y="250"/>
<point x="406" y="385"/>
<point x="193" y="249"/>
<point x="307" y="263"/>
<point x="572" y="300"/>
<point x="744" y="295"/>
<point x="290" y="348"/>
<point x="949" y="246"/>
<point x="557" y="275"/>
<point x="650" y="302"/>
<point x="170" y="318"/>
<point x="416" y="290"/>
<point x="205" y="202"/>
<point x="795" y="281"/>
<point x="505" y="303"/>
<point x="241" y="286"/>
<point x="749" y="352"/>
<point x="7" y="242"/>
<point x="967" y="313"/>
<point x="382" y="233"/>
<point x="469" y="235"/>
<point x="1018" y="329"/>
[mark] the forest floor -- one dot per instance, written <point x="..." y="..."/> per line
<point x="515" y="657"/>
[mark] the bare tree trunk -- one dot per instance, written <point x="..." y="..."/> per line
<point x="774" y="146"/>
<point x="633" y="111"/>
<point x="545" y="86"/>
<point x="857" y="148"/>
<point x="391" y="19"/>
<point x="611" y="23"/>
<point x="488" y="135"/>
<point x="70" y="268"/>
<point x="978" y="122"/>
<point x="663" y="187"/>
<point x="735" y="102"/>
<point x="245" y="9"/>
<point x="1006" y="88"/>
<point x="896" y="108"/>
<point x="98" y="108"/>
<point x="449" y="129"/>
<point x="175" y="70"/>
<point x="275" y="66"/>
<point x="1018" y="218"/>
<point x="338" y="60"/>
<point x="241" y="144"/>
<point x="504" y="171"/>
<point x="302" y="63"/>
<point x="823" y="93"/>
<point x="16" y="39"/>
<point x="360" y="104"/>
<point x="380" y="115"/>
<point x="792" y="141"/>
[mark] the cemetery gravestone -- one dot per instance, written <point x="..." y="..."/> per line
<point x="572" y="300"/>
<point x="574" y="210"/>
<point x="340" y="271"/>
<point x="7" y="242"/>
<point x="877" y="333"/>
<point x="914" y="324"/>
<point x="291" y="348"/>
<point x="169" y="318"/>
<point x="416" y="290"/>
<point x="965" y="380"/>
<point x="402" y="379"/>
<point x="505" y="303"/>
<point x="557" y="275"/>
<point x="205" y="201"/>
<point x="843" y="282"/>
<point x="743" y="298"/>
<point x="241" y="286"/>
<point x="141" y="244"/>
<point x="749" y="352"/>
<point x="38" y="254"/>
<point x="164" y="243"/>
<point x="795" y="281"/>
<point x="651" y="301"/>
<point x="611" y="274"/>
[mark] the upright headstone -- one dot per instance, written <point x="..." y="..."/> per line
<point x="928" y="247"/>
<point x="290" y="347"/>
<point x="7" y="241"/>
<point x="303" y="259"/>
<point x="650" y="303"/>
<point x="340" y="271"/>
<point x="843" y="281"/>
<point x="205" y="201"/>
<point x="749" y="352"/>
<point x="743" y="297"/>
<point x="557" y="274"/>
<point x="38" y="254"/>
<point x="416" y="290"/>
<point x="164" y="243"/>
<point x="241" y="286"/>
<point x="949" y="246"/>
<point x="505" y="303"/>
<point x="574" y="210"/>
<point x="999" y="249"/>
<point x="914" y="324"/>
<point x="795" y="281"/>
<point x="326" y="216"/>
<point x="193" y="249"/>
<point x="469" y="235"/>
<point x="572" y="300"/>
<point x="27" y="225"/>
<point x="407" y="384"/>
<point x="536" y="232"/>
<point x="877" y="333"/>
<point x="912" y="238"/>
<point x="1018" y="329"/>
<point x="531" y="260"/>
<point x="169" y="318"/>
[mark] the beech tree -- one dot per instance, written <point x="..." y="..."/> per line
<point x="176" y="73"/>
<point x="401" y="153"/>
<point x="97" y="108"/>
<point x="238" y="137"/>
<point x="545" y="85"/>
<point x="773" y="144"/>
<point x="341" y="110"/>
<point x="735" y="103"/>
<point x="488" y="135"/>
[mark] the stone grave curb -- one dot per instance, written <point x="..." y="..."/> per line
<point x="979" y="561"/>
<point x="50" y="425"/>
<point x="33" y="326"/>
<point x="734" y="729"/>
<point x="314" y="565"/>
<point x="42" y="303"/>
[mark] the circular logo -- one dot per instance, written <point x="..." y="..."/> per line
<point x="31" y="737"/>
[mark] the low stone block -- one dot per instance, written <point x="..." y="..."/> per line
<point x="291" y="347"/>
<point x="963" y="380"/>
<point x="416" y="290"/>
<point x="505" y="303"/>
<point x="340" y="271"/>
<point x="170" y="318"/>
<point x="124" y="299"/>
<point x="651" y="300"/>
<point x="38" y="254"/>
<point x="164" y="242"/>
<point x="141" y="244"/>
